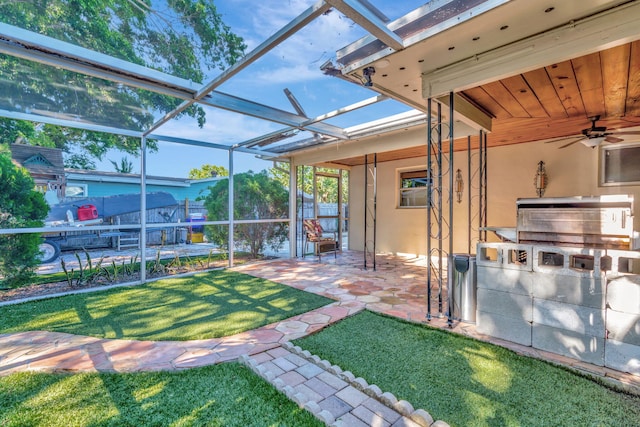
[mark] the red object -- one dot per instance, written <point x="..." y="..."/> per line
<point x="86" y="212"/>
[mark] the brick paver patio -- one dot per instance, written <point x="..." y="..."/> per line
<point x="397" y="287"/>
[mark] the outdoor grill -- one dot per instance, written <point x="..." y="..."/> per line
<point x="594" y="222"/>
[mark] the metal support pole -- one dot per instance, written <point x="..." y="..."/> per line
<point x="231" y="209"/>
<point x="439" y="207"/>
<point x="293" y="217"/>
<point x="451" y="202"/>
<point x="375" y="205"/>
<point x="304" y="235"/>
<point x="429" y="205"/>
<point x="366" y="201"/>
<point x="486" y="186"/>
<point x="143" y="209"/>
<point x="469" y="194"/>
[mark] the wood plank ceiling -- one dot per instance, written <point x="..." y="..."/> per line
<point x="554" y="102"/>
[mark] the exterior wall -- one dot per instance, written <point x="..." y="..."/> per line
<point x="572" y="171"/>
<point x="100" y="189"/>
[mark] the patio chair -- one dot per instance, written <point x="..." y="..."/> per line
<point x="315" y="235"/>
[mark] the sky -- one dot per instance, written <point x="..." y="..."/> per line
<point x="294" y="65"/>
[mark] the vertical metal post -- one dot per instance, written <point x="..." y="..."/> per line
<point x="304" y="235"/>
<point x="439" y="162"/>
<point x="429" y="205"/>
<point x="366" y="201"/>
<point x="375" y="205"/>
<point x="451" y="202"/>
<point x="231" y="209"/>
<point x="486" y="185"/>
<point x="469" y="194"/>
<point x="143" y="209"/>
<point x="293" y="211"/>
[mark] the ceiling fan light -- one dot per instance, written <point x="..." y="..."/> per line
<point x="593" y="142"/>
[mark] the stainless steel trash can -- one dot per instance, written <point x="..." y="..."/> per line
<point x="462" y="287"/>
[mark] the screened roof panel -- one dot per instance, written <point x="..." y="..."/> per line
<point x="48" y="92"/>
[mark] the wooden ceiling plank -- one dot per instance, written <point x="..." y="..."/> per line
<point x="503" y="97"/>
<point x="615" y="66"/>
<point x="564" y="80"/>
<point x="520" y="90"/>
<point x="588" y="71"/>
<point x="539" y="81"/>
<point x="633" y="88"/>
<point x="481" y="98"/>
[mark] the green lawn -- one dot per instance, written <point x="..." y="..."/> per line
<point x="206" y="305"/>
<point x="227" y="395"/>
<point x="466" y="382"/>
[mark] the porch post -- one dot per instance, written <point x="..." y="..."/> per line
<point x="451" y="202"/>
<point x="293" y="211"/>
<point x="230" y="243"/>
<point x="429" y="204"/>
<point x="143" y="209"/>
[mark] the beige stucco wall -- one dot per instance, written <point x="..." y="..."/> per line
<point x="572" y="171"/>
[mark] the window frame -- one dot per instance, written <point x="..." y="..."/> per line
<point x="85" y="191"/>
<point x="403" y="190"/>
<point x="603" y="179"/>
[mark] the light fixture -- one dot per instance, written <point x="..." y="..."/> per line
<point x="593" y="142"/>
<point x="459" y="185"/>
<point x="541" y="179"/>
<point x="368" y="72"/>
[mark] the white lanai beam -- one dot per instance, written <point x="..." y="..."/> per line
<point x="369" y="20"/>
<point x="288" y="132"/>
<point x="291" y="28"/>
<point x="25" y="44"/>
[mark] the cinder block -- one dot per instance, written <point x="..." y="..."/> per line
<point x="506" y="328"/>
<point x="506" y="304"/>
<point x="623" y="327"/>
<point x="570" y="289"/>
<point x="575" y="318"/>
<point x="623" y="294"/>
<point x="500" y="279"/>
<point x="622" y="357"/>
<point x="567" y="343"/>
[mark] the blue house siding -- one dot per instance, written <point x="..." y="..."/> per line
<point x="100" y="184"/>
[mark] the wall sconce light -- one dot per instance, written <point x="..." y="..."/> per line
<point x="459" y="185"/>
<point x="368" y="72"/>
<point x="541" y="179"/>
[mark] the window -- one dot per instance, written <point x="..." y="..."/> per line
<point x="76" y="190"/>
<point x="413" y="188"/>
<point x="619" y="165"/>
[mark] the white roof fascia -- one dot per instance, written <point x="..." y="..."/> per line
<point x="600" y="31"/>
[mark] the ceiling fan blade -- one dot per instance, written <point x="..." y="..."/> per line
<point x="571" y="143"/>
<point x="612" y="138"/>
<point x="564" y="138"/>
<point x="631" y="132"/>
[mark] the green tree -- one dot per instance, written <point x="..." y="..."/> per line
<point x="20" y="207"/>
<point x="208" y="171"/>
<point x="256" y="196"/>
<point x="183" y="38"/>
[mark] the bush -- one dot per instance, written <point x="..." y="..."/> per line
<point x="256" y="196"/>
<point x="20" y="207"/>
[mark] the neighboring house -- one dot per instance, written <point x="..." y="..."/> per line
<point x="88" y="183"/>
<point x="45" y="165"/>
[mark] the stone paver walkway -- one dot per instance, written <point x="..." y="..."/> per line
<point x="334" y="396"/>
<point x="60" y="352"/>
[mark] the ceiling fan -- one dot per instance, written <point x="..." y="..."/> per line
<point x="595" y="135"/>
